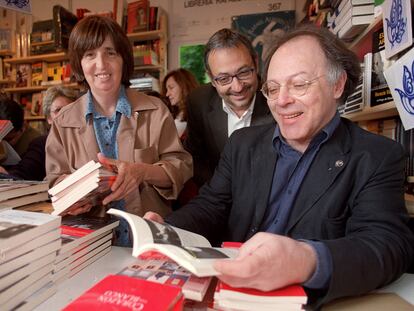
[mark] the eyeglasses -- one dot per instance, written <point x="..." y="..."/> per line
<point x="243" y="75"/>
<point x="271" y="89"/>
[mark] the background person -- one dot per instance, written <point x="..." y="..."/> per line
<point x="32" y="163"/>
<point x="176" y="86"/>
<point x="318" y="200"/>
<point x="22" y="134"/>
<point x="231" y="101"/>
<point x="116" y="125"/>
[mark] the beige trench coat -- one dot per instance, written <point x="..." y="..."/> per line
<point x="149" y="136"/>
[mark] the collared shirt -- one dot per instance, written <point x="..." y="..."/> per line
<point x="105" y="131"/>
<point x="290" y="171"/>
<point x="234" y="122"/>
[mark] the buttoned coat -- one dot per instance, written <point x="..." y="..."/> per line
<point x="207" y="130"/>
<point x="149" y="136"/>
<point x="351" y="199"/>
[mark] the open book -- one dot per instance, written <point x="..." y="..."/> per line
<point x="190" y="250"/>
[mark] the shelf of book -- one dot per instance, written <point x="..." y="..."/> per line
<point x="371" y="113"/>
<point x="376" y="23"/>
<point x="6" y="81"/>
<point x="28" y="89"/>
<point x="52" y="57"/>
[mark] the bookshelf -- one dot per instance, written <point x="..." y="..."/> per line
<point x="30" y="89"/>
<point x="49" y="58"/>
<point x="152" y="35"/>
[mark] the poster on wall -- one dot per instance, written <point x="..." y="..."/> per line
<point x="397" y="25"/>
<point x="197" y="20"/>
<point x="17" y="5"/>
<point x="263" y="29"/>
<point x="400" y="79"/>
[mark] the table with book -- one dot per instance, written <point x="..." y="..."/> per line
<point x="120" y="257"/>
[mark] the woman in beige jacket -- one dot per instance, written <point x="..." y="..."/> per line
<point x="116" y="125"/>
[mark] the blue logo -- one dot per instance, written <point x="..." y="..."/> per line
<point x="396" y="24"/>
<point x="407" y="96"/>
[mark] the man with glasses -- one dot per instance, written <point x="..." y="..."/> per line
<point x="317" y="200"/>
<point x="231" y="101"/>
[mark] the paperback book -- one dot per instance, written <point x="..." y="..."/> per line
<point x="191" y="251"/>
<point x="155" y="267"/>
<point x="118" y="292"/>
<point x="91" y="183"/>
<point x="227" y="297"/>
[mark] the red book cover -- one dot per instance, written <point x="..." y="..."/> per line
<point x="138" y="16"/>
<point x="117" y="292"/>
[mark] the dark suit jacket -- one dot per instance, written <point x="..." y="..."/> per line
<point x="207" y="128"/>
<point x="351" y="199"/>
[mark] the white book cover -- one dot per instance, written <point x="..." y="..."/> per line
<point x="400" y="79"/>
<point x="396" y="17"/>
<point x="18" y="227"/>
<point x="188" y="249"/>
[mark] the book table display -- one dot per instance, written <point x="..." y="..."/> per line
<point x="120" y="257"/>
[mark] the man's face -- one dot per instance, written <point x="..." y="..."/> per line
<point x="238" y="94"/>
<point x="302" y="117"/>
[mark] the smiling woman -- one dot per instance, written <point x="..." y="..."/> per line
<point x="116" y="125"/>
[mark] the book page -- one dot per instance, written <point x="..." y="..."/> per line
<point x="146" y="231"/>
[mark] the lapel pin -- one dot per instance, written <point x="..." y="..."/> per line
<point x="339" y="163"/>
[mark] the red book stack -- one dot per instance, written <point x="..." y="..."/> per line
<point x="237" y="299"/>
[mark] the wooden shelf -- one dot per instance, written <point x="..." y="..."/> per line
<point x="29" y="89"/>
<point x="146" y="35"/>
<point x="6" y="81"/>
<point x="53" y="57"/>
<point x="371" y="113"/>
<point x="6" y="53"/>
<point x="35" y="118"/>
<point x="148" y="68"/>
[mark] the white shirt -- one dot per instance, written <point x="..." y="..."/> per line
<point x="234" y="122"/>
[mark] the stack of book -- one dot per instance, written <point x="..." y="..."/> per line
<point x="355" y="101"/>
<point x="350" y="17"/>
<point x="5" y="127"/>
<point x="146" y="83"/>
<point x="84" y="240"/>
<point x="238" y="299"/>
<point x="16" y="193"/>
<point x="89" y="184"/>
<point x="28" y="245"/>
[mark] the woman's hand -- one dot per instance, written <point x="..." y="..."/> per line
<point x="131" y="175"/>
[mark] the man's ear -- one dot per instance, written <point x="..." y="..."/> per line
<point x="340" y="85"/>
